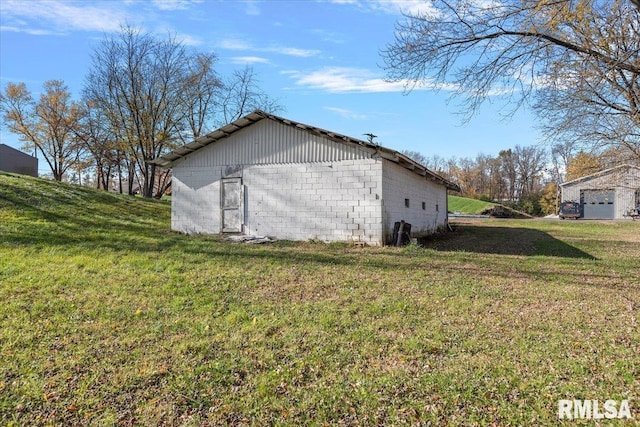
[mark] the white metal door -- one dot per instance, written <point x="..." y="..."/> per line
<point x="232" y="205"/>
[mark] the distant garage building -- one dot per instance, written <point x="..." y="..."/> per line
<point x="15" y="161"/>
<point x="269" y="176"/>
<point x="608" y="194"/>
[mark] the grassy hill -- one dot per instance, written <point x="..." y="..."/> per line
<point x="45" y="213"/>
<point x="465" y="205"/>
<point x="468" y="206"/>
<point x="108" y="318"/>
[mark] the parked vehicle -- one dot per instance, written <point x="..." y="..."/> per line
<point x="569" y="210"/>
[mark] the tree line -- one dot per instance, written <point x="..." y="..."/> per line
<point x="143" y="96"/>
<point x="524" y="178"/>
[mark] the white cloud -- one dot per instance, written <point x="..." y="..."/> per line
<point x="174" y="4"/>
<point x="188" y="40"/>
<point x="31" y="31"/>
<point x="347" y="114"/>
<point x="347" y="79"/>
<point x="234" y="44"/>
<point x="249" y="60"/>
<point x="63" y="16"/>
<point x="488" y="4"/>
<point x="252" y="8"/>
<point x="392" y="7"/>
<point x="56" y="17"/>
<point x="238" y="44"/>
<point x="418" y="7"/>
<point x="291" y="51"/>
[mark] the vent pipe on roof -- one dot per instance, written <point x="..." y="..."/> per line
<point x="370" y="137"/>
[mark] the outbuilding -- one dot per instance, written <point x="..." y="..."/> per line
<point x="15" y="161"/>
<point x="608" y="194"/>
<point x="266" y="175"/>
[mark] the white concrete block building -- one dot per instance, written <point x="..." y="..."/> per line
<point x="608" y="194"/>
<point x="269" y="176"/>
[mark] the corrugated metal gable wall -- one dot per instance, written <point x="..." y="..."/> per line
<point x="269" y="142"/>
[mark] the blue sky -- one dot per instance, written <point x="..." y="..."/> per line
<point x="320" y="59"/>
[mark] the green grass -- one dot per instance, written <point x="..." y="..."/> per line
<point x="108" y="318"/>
<point x="467" y="205"/>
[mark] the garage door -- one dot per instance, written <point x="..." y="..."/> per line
<point x="598" y="204"/>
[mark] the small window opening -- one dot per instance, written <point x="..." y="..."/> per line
<point x="437" y="208"/>
<point x="406" y="203"/>
<point x="424" y="206"/>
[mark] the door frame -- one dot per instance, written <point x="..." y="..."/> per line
<point x="239" y="208"/>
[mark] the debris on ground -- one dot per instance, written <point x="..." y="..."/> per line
<point x="499" y="211"/>
<point x="249" y="239"/>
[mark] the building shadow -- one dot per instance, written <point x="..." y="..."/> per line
<point x="502" y="241"/>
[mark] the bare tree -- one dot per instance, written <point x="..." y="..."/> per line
<point x="138" y="82"/>
<point x="509" y="172"/>
<point x="594" y="104"/>
<point x="561" y="154"/>
<point x="99" y="140"/>
<point x="241" y="95"/>
<point x="584" y="54"/>
<point x="200" y="93"/>
<point x="531" y="162"/>
<point x="497" y="187"/>
<point x="416" y="156"/>
<point x="47" y="125"/>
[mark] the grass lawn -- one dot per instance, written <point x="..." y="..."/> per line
<point x="108" y="318"/>
<point x="467" y="205"/>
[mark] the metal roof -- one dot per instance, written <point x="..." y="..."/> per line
<point x="169" y="159"/>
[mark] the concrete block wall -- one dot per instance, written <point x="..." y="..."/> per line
<point x="195" y="200"/>
<point x="327" y="201"/>
<point x="399" y="184"/>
